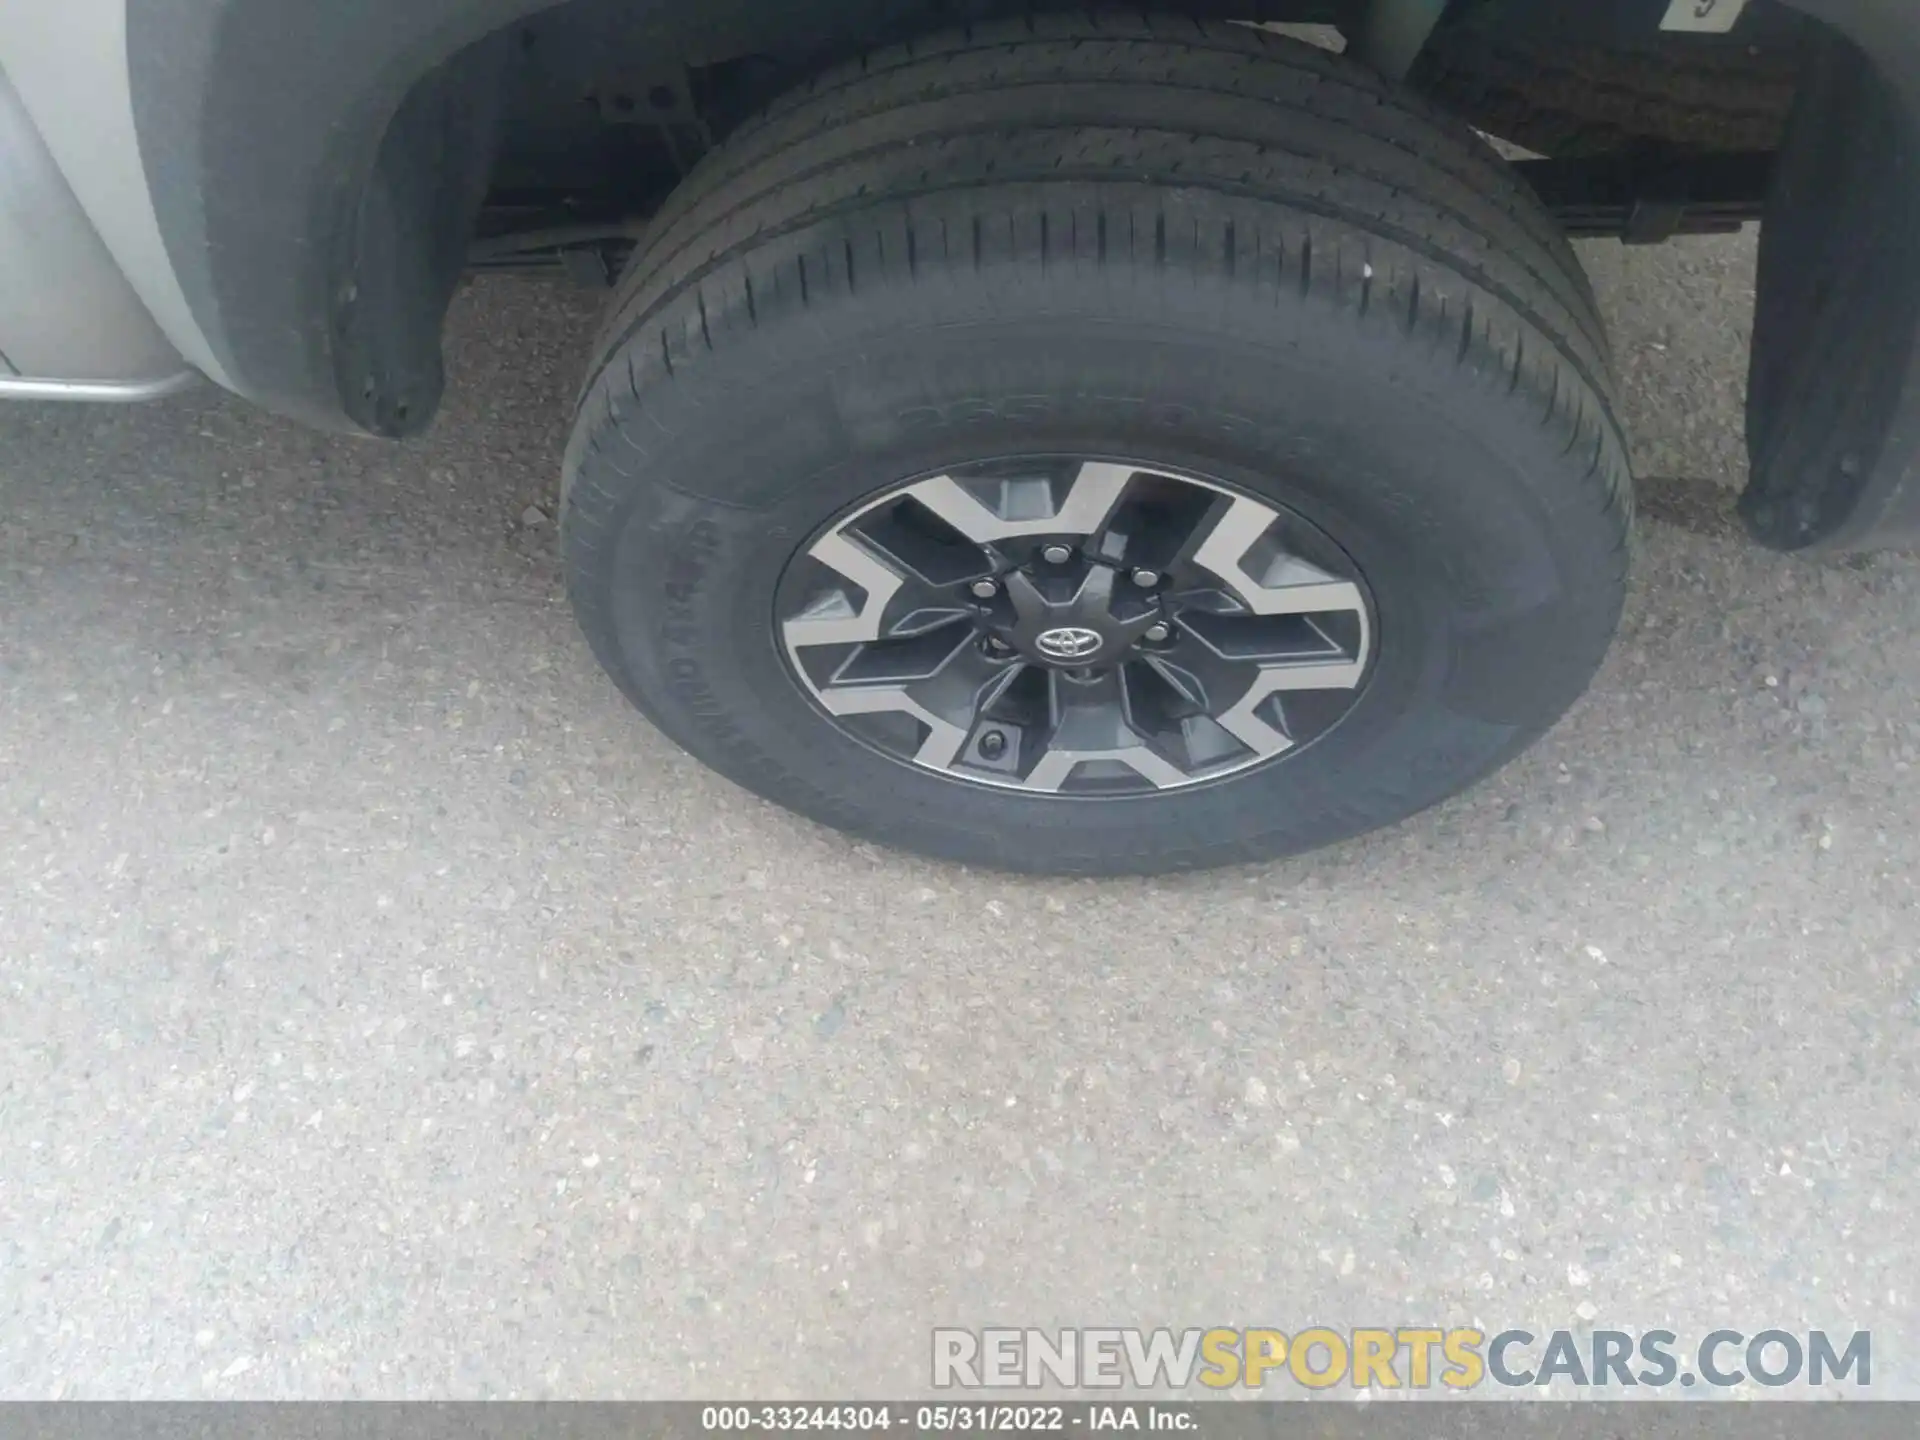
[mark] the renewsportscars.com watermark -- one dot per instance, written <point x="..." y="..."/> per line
<point x="1405" y="1358"/>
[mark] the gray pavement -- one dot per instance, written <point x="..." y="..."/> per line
<point x="387" y="1011"/>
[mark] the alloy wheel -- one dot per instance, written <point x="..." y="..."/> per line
<point x="1077" y="626"/>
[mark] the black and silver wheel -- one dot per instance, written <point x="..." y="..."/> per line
<point x="1097" y="446"/>
<point x="1077" y="626"/>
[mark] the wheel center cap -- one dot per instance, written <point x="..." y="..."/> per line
<point x="1070" y="622"/>
<point x="1068" y="642"/>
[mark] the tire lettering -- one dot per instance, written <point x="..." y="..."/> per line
<point x="686" y="575"/>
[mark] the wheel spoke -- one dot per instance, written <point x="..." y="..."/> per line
<point x="1241" y="551"/>
<point x="1160" y="522"/>
<point x="990" y="510"/>
<point x="1168" y="707"/>
<point x="1246" y="722"/>
<point x="836" y="618"/>
<point x="1277" y="639"/>
<point x="1091" y="726"/>
<point x="963" y="687"/>
<point x="903" y="659"/>
<point x="938" y="749"/>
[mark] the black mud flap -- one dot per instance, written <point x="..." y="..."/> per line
<point x="409" y="243"/>
<point x="1833" y="413"/>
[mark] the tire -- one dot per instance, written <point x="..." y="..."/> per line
<point x="1193" y="247"/>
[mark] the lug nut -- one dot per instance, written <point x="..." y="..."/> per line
<point x="1056" y="554"/>
<point x="1146" y="579"/>
<point x="1159" y="634"/>
<point x="993" y="745"/>
<point x="984" y="589"/>
<point x="997" y="646"/>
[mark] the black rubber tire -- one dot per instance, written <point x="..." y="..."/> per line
<point x="1192" y="245"/>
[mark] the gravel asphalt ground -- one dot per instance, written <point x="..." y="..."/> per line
<point x="385" y="1010"/>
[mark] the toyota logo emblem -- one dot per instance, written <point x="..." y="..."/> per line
<point x="1069" y="642"/>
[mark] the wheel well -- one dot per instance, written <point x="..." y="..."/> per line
<point x="603" y="119"/>
<point x="607" y="111"/>
<point x="323" y="174"/>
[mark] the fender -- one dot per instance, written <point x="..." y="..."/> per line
<point x="315" y="169"/>
<point x="312" y="192"/>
